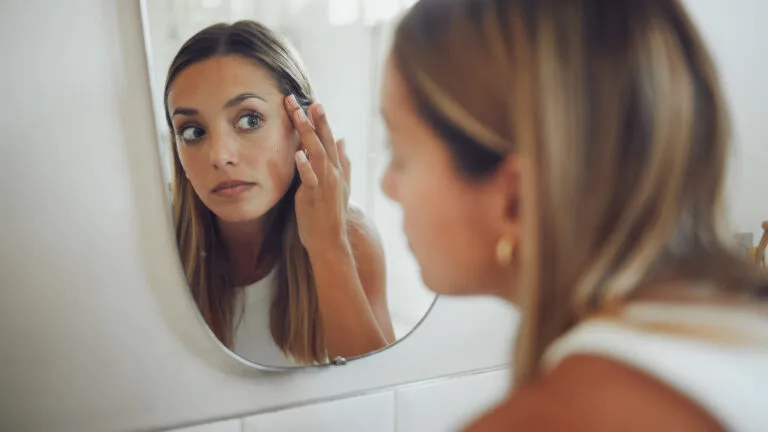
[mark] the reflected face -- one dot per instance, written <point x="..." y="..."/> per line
<point x="452" y="224"/>
<point x="233" y="136"/>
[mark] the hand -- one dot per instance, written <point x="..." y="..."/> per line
<point x="323" y="197"/>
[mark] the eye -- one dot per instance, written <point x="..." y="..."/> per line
<point x="191" y="133"/>
<point x="249" y="121"/>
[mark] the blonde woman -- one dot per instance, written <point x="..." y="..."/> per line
<point x="282" y="270"/>
<point x="569" y="156"/>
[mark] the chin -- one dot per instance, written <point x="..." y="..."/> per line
<point x="452" y="284"/>
<point x="441" y="284"/>
<point x="238" y="215"/>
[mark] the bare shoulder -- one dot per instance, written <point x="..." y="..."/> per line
<point x="368" y="252"/>
<point x="360" y="225"/>
<point x="590" y="393"/>
<point x="364" y="237"/>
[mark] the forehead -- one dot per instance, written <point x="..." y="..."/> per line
<point x="393" y="95"/>
<point x="397" y="106"/>
<point x="217" y="79"/>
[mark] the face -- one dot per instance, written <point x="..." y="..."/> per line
<point x="233" y="136"/>
<point x="452" y="224"/>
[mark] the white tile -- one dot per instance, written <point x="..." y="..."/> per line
<point x="449" y="405"/>
<point x="369" y="413"/>
<point x="222" y="426"/>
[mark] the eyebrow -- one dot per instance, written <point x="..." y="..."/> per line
<point x="189" y="112"/>
<point x="241" y="97"/>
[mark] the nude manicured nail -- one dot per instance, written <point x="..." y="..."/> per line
<point x="301" y="155"/>
<point x="292" y="102"/>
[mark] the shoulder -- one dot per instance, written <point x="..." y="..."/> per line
<point x="366" y="247"/>
<point x="591" y="393"/>
<point x="361" y="227"/>
<point x="362" y="234"/>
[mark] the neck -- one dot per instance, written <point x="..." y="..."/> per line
<point x="244" y="241"/>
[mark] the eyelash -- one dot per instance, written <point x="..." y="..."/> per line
<point x="259" y="118"/>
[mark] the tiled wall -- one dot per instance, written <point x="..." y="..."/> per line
<point x="435" y="406"/>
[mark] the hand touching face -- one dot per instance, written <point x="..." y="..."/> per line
<point x="322" y="199"/>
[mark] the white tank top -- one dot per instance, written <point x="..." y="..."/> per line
<point x="253" y="337"/>
<point x="728" y="379"/>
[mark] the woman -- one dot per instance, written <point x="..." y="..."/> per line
<point x="281" y="270"/>
<point x="569" y="156"/>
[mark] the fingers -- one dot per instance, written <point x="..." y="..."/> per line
<point x="346" y="167"/>
<point x="323" y="129"/>
<point x="314" y="150"/>
<point x="307" y="174"/>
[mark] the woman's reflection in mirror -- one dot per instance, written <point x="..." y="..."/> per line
<point x="282" y="268"/>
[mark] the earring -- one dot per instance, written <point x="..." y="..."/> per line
<point x="505" y="251"/>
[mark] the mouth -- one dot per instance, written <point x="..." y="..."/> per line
<point x="232" y="188"/>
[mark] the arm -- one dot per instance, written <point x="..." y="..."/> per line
<point x="346" y="260"/>
<point x="371" y="267"/>
<point x="350" y="279"/>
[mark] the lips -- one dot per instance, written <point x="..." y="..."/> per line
<point x="232" y="188"/>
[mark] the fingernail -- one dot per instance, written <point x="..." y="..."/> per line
<point x="342" y="145"/>
<point x="301" y="155"/>
<point x="292" y="102"/>
<point x="319" y="110"/>
<point x="300" y="116"/>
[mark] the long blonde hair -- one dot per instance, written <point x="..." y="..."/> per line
<point x="616" y="106"/>
<point x="295" y="317"/>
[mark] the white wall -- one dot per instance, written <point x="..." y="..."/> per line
<point x="96" y="328"/>
<point x="737" y="34"/>
<point x="444" y="405"/>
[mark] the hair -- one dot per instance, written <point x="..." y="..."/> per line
<point x="295" y="318"/>
<point x="615" y="108"/>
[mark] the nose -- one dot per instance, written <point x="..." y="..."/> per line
<point x="223" y="150"/>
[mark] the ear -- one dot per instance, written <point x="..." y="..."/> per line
<point x="507" y="187"/>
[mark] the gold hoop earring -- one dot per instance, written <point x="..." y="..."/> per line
<point x="505" y="251"/>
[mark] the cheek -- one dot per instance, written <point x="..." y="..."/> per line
<point x="429" y="213"/>
<point x="281" y="170"/>
<point x="191" y="163"/>
<point x="280" y="165"/>
<point x="447" y="227"/>
<point x="272" y="153"/>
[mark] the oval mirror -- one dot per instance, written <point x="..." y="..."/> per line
<point x="291" y="262"/>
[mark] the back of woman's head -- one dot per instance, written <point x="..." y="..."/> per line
<point x="295" y="318"/>
<point x="616" y="108"/>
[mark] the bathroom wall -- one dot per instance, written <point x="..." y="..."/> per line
<point x="434" y="406"/>
<point x="736" y="33"/>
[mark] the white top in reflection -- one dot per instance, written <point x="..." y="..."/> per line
<point x="253" y="337"/>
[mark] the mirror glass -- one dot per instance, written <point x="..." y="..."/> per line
<point x="287" y="267"/>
